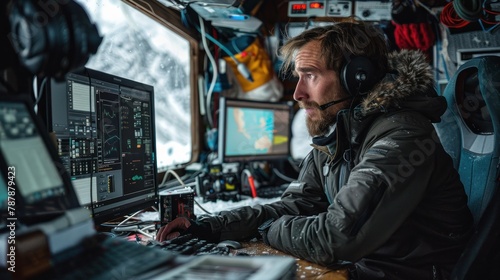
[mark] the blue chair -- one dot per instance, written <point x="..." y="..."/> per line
<point x="470" y="128"/>
<point x="470" y="133"/>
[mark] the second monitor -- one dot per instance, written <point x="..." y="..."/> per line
<point x="254" y="130"/>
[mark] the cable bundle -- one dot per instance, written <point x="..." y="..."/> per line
<point x="450" y="18"/>
<point x="460" y="13"/>
<point x="469" y="10"/>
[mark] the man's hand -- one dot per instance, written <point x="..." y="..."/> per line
<point x="173" y="229"/>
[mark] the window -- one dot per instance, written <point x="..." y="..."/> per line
<point x="140" y="47"/>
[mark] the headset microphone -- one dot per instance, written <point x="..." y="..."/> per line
<point x="331" y="103"/>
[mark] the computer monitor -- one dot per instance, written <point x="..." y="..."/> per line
<point x="33" y="186"/>
<point x="254" y="130"/>
<point x="104" y="131"/>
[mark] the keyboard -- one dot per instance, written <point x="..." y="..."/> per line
<point x="191" y="246"/>
<point x="102" y="257"/>
<point x="271" y="191"/>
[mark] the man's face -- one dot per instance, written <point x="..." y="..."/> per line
<point x="317" y="85"/>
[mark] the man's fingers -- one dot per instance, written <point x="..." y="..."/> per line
<point x="173" y="235"/>
<point x="178" y="224"/>
<point x="159" y="234"/>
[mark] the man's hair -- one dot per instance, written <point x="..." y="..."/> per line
<point x="340" y="42"/>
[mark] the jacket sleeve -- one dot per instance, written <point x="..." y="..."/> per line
<point x="303" y="197"/>
<point x="382" y="190"/>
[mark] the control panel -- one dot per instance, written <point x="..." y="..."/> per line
<point x="361" y="9"/>
<point x="373" y="10"/>
<point x="339" y="9"/>
<point x="325" y="8"/>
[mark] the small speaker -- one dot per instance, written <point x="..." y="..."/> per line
<point x="358" y="75"/>
<point x="52" y="38"/>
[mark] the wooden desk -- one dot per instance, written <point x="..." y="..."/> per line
<point x="305" y="269"/>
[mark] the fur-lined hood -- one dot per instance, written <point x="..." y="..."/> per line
<point x="410" y="85"/>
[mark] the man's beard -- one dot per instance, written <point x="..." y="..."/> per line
<point x="323" y="124"/>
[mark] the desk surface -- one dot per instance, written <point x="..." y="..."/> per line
<point x="305" y="269"/>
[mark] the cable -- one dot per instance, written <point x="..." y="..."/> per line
<point x="151" y="236"/>
<point x="490" y="11"/>
<point x="134" y="228"/>
<point x="38" y="91"/>
<point x="128" y="218"/>
<point x="456" y="15"/>
<point x="169" y="171"/>
<point x="203" y="209"/>
<point x="107" y="224"/>
<point x="450" y="18"/>
<point x="486" y="16"/>
<point x="283" y="176"/>
<point x="41" y="91"/>
<point x="220" y="45"/>
<point x="348" y="129"/>
<point x="242" y="68"/>
<point x="495" y="25"/>
<point x="251" y="182"/>
<point x="469" y="10"/>
<point x="214" y="71"/>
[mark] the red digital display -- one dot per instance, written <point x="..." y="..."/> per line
<point x="298" y="7"/>
<point x="316" y="5"/>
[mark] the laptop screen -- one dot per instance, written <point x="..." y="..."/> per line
<point x="34" y="181"/>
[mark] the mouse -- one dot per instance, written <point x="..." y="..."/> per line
<point x="230" y="244"/>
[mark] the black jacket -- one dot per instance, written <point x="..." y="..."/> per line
<point x="380" y="192"/>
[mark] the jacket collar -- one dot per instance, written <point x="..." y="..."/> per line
<point x="409" y="75"/>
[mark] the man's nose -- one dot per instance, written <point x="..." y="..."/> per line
<point x="300" y="93"/>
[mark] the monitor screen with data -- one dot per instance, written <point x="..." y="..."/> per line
<point x="254" y="130"/>
<point x="104" y="132"/>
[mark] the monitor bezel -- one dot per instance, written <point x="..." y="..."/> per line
<point x="117" y="209"/>
<point x="224" y="104"/>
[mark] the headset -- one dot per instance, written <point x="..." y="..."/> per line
<point x="358" y="75"/>
<point x="52" y="38"/>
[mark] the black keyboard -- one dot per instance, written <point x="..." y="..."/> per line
<point x="107" y="258"/>
<point x="271" y="191"/>
<point x="190" y="245"/>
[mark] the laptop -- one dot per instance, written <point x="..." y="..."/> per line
<point x="46" y="234"/>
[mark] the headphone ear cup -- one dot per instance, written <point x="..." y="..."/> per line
<point x="59" y="45"/>
<point x="52" y="45"/>
<point x="358" y="75"/>
<point x="84" y="39"/>
<point x="38" y="39"/>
